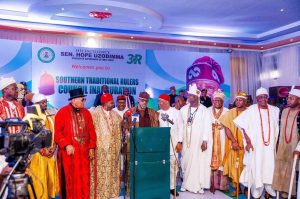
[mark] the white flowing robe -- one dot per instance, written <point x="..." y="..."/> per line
<point x="176" y="136"/>
<point x="195" y="163"/>
<point x="222" y="131"/>
<point x="261" y="161"/>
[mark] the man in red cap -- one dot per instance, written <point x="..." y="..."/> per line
<point x="121" y="105"/>
<point x="169" y="117"/>
<point x="105" y="175"/>
<point x="76" y="139"/>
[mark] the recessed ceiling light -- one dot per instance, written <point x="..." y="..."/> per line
<point x="62" y="9"/>
<point x="281" y="10"/>
<point x="144" y="17"/>
<point x="239" y="46"/>
<point x="189" y="41"/>
<point x="261" y="47"/>
<point x="131" y="37"/>
<point x="150" y="27"/>
<point x="291" y="40"/>
<point x="29" y="29"/>
<point x="106" y="9"/>
<point x="215" y="44"/>
<point x="91" y="34"/>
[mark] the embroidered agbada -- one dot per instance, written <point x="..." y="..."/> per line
<point x="195" y="162"/>
<point x="284" y="158"/>
<point x="105" y="169"/>
<point x="262" y="161"/>
<point x="43" y="169"/>
<point x="74" y="127"/>
<point x="11" y="109"/>
<point x="232" y="157"/>
<point x="148" y="117"/>
<point x="218" y="181"/>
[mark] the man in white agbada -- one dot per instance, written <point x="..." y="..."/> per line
<point x="169" y="117"/>
<point x="260" y="125"/>
<point x="218" y="181"/>
<point x="197" y="143"/>
<point x="296" y="93"/>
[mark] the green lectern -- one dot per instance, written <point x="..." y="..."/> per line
<point x="149" y="163"/>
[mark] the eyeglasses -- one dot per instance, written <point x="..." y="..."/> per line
<point x="43" y="102"/>
<point x="83" y="99"/>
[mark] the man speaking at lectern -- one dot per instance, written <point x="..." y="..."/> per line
<point x="147" y="116"/>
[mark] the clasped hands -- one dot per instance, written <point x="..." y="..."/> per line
<point x="71" y="150"/>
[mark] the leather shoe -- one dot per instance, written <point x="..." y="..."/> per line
<point x="172" y="191"/>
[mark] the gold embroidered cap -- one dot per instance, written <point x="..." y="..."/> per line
<point x="241" y="94"/>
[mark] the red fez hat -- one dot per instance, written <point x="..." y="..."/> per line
<point x="106" y="97"/>
<point x="165" y="97"/>
<point x="121" y="97"/>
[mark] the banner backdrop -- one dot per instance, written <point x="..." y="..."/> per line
<point x="16" y="60"/>
<point x="179" y="69"/>
<point x="58" y="69"/>
<point x="53" y="70"/>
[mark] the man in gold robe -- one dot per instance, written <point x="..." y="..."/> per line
<point x="234" y="148"/>
<point x="43" y="166"/>
<point x="218" y="180"/>
<point x="105" y="168"/>
<point x="288" y="140"/>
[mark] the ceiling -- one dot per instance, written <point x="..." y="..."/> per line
<point x="204" y="22"/>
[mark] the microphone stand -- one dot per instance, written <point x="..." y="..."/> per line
<point x="132" y="136"/>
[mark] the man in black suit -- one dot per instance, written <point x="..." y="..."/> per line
<point x="172" y="96"/>
<point x="104" y="89"/>
<point x="129" y="98"/>
<point x="204" y="99"/>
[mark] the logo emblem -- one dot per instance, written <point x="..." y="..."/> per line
<point x="46" y="55"/>
<point x="194" y="72"/>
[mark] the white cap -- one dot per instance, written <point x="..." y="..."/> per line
<point x="193" y="90"/>
<point x="6" y="81"/>
<point x="261" y="91"/>
<point x="37" y="97"/>
<point x="219" y="93"/>
<point x="294" y="91"/>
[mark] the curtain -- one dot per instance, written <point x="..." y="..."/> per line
<point x="245" y="71"/>
<point x="281" y="66"/>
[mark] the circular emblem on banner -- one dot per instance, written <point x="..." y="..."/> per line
<point x="46" y="55"/>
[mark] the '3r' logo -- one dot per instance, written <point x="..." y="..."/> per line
<point x="134" y="59"/>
